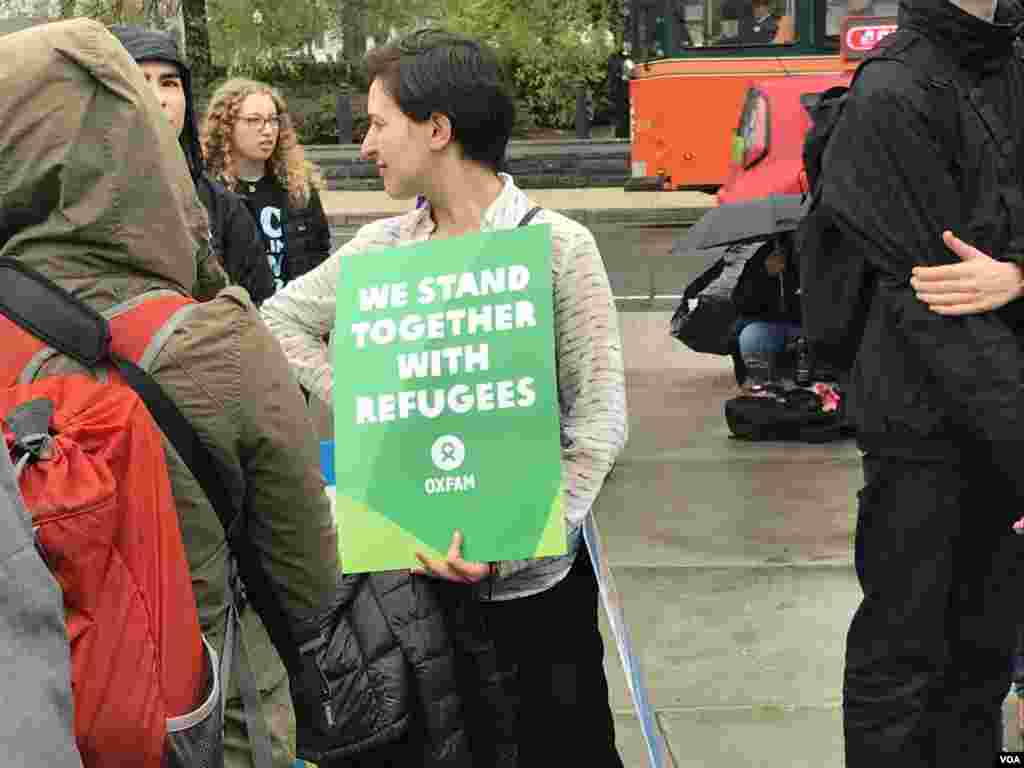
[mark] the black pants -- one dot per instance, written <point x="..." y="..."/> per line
<point x="552" y="640"/>
<point x="929" y="649"/>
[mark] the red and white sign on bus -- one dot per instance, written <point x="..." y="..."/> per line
<point x="860" y="35"/>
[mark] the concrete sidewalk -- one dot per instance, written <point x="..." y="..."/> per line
<point x="596" y="205"/>
<point x="733" y="561"/>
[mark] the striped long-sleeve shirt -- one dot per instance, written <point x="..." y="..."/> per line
<point x="588" y="351"/>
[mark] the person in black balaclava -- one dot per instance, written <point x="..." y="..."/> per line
<point x="234" y="237"/>
<point x="917" y="238"/>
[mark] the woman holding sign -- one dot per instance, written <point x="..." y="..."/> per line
<point x="440" y="120"/>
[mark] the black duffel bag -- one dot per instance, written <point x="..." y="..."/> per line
<point x="780" y="413"/>
<point x="705" y="320"/>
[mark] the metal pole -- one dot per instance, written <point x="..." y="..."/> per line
<point x="671" y="33"/>
<point x="582" y="113"/>
<point x="343" y="115"/>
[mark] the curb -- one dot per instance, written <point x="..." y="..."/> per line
<point x="589" y="217"/>
<point x="559" y="164"/>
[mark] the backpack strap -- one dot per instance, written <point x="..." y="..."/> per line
<point x="30" y="321"/>
<point x="529" y="216"/>
<point x="825" y="109"/>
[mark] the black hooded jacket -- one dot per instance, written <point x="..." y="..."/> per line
<point x="761" y="295"/>
<point x="234" y="237"/>
<point x="913" y="154"/>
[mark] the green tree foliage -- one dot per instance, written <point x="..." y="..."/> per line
<point x="163" y="15"/>
<point x="105" y="11"/>
<point x="248" y="36"/>
<point x="197" y="39"/>
<point x="548" y="48"/>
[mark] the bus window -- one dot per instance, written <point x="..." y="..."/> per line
<point x="837" y="10"/>
<point x="737" y="22"/>
<point x="706" y="23"/>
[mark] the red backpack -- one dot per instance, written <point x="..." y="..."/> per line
<point x="92" y="469"/>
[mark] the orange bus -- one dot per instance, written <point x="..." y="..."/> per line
<point x="696" y="59"/>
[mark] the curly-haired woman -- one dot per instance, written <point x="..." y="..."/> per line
<point x="251" y="146"/>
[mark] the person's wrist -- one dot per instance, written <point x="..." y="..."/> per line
<point x="1018" y="277"/>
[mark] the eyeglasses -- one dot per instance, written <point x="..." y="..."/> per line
<point x="256" y="122"/>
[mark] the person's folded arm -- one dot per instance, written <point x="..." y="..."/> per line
<point x="892" y="197"/>
<point x="979" y="283"/>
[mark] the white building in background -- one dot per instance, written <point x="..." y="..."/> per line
<point x="39" y="8"/>
<point x="329" y="45"/>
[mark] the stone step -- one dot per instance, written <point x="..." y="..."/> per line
<point x="535" y="164"/>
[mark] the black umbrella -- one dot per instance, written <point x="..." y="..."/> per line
<point x="744" y="222"/>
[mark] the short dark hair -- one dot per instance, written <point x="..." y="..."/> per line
<point x="434" y="71"/>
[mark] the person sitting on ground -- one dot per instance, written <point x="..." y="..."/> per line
<point x="251" y="146"/>
<point x="116" y="219"/>
<point x="234" y="238"/>
<point x="440" y="120"/>
<point x="767" y="300"/>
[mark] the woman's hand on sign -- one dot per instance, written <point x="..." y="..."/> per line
<point x="454" y="568"/>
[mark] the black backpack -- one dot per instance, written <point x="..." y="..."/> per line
<point x="705" y="319"/>
<point x="839" y="342"/>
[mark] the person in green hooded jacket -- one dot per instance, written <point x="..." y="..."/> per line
<point x="116" y="217"/>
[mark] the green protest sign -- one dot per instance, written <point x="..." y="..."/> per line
<point x="445" y="402"/>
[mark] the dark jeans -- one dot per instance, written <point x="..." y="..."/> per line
<point x="929" y="649"/>
<point x="553" y="640"/>
<point x="760" y="345"/>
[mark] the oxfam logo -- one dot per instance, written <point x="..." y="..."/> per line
<point x="448" y="453"/>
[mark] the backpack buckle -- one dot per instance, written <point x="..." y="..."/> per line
<point x="30" y="424"/>
<point x="236" y="585"/>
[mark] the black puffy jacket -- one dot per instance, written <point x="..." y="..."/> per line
<point x="235" y="239"/>
<point x="915" y="153"/>
<point x="405" y="652"/>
